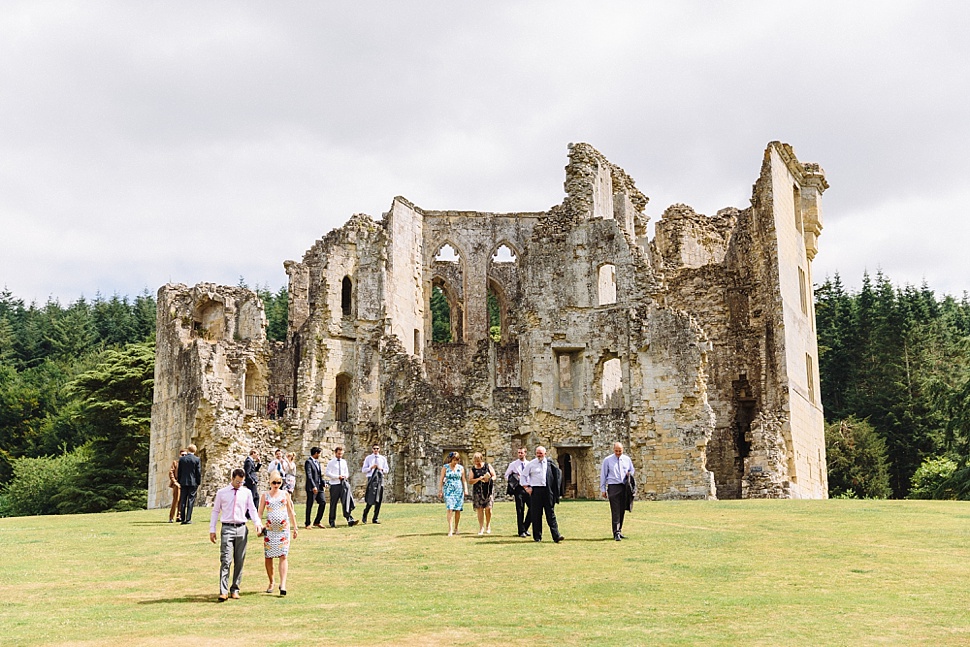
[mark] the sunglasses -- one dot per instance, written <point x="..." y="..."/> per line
<point x="276" y="482"/>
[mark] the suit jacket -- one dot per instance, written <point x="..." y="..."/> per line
<point x="554" y="481"/>
<point x="173" y="473"/>
<point x="190" y="470"/>
<point x="630" y="490"/>
<point x="251" y="467"/>
<point x="313" y="477"/>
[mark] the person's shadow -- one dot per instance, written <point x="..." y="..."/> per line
<point x="198" y="599"/>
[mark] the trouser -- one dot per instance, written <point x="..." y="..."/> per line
<point x="321" y="500"/>
<point x="377" y="510"/>
<point x="337" y="494"/>
<point x="232" y="550"/>
<point x="522" y="513"/>
<point x="542" y="502"/>
<point x="187" y="502"/>
<point x="617" y="496"/>
<point x="176" y="495"/>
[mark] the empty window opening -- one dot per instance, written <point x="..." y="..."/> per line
<point x="440" y="316"/>
<point x="504" y="255"/>
<point x="494" y="317"/>
<point x="342" y="398"/>
<point x="611" y="384"/>
<point x="797" y="199"/>
<point x="810" y="374"/>
<point x="803" y="291"/>
<point x="447" y="254"/>
<point x="607" y="285"/>
<point x="417" y="342"/>
<point x="346" y="296"/>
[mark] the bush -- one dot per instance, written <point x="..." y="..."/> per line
<point x="932" y="479"/>
<point x="36" y="483"/>
<point x="857" y="460"/>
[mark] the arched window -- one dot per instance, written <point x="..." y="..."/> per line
<point x="447" y="254"/>
<point x="346" y="296"/>
<point x="611" y="384"/>
<point x="440" y="315"/>
<point x="606" y="292"/>
<point x="342" y="398"/>
<point x="496" y="323"/>
<point x="504" y="255"/>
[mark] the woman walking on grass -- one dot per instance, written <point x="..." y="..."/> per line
<point x="453" y="487"/>
<point x="483" y="492"/>
<point x="280" y="518"/>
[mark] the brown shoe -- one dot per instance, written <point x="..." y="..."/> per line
<point x="235" y="595"/>
<point x="223" y="598"/>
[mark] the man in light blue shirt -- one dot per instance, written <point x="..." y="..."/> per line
<point x="616" y="467"/>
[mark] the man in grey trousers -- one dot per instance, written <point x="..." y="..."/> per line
<point x="232" y="504"/>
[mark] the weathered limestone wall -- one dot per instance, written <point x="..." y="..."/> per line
<point x="695" y="351"/>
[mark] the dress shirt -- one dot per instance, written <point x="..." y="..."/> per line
<point x="535" y="473"/>
<point x="231" y="506"/>
<point x="375" y="458"/>
<point x="615" y="470"/>
<point x="516" y="467"/>
<point x="336" y="468"/>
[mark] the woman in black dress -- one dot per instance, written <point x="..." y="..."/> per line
<point x="483" y="492"/>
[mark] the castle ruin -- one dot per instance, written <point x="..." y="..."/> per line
<point x="568" y="328"/>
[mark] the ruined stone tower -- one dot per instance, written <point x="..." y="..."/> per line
<point x="697" y="350"/>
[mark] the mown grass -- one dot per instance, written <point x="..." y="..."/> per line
<point x="691" y="573"/>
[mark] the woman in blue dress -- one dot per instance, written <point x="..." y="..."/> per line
<point x="453" y="487"/>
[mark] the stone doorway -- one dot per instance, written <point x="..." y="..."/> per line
<point x="574" y="461"/>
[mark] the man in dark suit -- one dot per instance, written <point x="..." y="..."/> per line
<point x="251" y="466"/>
<point x="190" y="476"/>
<point x="542" y="479"/>
<point x="314" y="488"/>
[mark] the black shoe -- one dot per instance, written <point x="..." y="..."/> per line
<point x="282" y="593"/>
<point x="333" y="525"/>
<point x="621" y="535"/>
<point x="558" y="539"/>
<point x="185" y="523"/>
<point x="375" y="521"/>
<point x="352" y="522"/>
<point x="364" y="521"/>
<point x="617" y="536"/>
<point x="524" y="534"/>
<point x="536" y="539"/>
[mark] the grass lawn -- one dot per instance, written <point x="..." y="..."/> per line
<point x="690" y="573"/>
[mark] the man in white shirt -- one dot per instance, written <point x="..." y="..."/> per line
<point x="338" y="474"/>
<point x="616" y="467"/>
<point x="376" y="468"/>
<point x="543" y="481"/>
<point x="522" y="516"/>
<point x="230" y="507"/>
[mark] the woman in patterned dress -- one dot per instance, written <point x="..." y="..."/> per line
<point x="453" y="487"/>
<point x="483" y="492"/>
<point x="280" y="518"/>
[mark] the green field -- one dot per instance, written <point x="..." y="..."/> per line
<point x="691" y="573"/>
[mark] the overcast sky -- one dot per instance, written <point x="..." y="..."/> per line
<point x="144" y="143"/>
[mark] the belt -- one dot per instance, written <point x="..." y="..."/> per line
<point x="234" y="525"/>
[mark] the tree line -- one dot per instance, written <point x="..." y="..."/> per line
<point x="76" y="391"/>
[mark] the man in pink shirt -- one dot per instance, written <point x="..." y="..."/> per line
<point x="230" y="507"/>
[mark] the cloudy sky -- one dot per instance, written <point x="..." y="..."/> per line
<point x="144" y="143"/>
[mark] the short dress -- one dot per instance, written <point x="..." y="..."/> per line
<point x="276" y="540"/>
<point x="453" y="490"/>
<point x="483" y="494"/>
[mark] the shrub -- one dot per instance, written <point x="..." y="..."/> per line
<point x="857" y="460"/>
<point x="932" y="479"/>
<point x="36" y="483"/>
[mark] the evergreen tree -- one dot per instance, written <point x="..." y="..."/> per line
<point x="857" y="460"/>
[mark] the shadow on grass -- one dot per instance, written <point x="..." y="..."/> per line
<point x="151" y="523"/>
<point x="203" y="598"/>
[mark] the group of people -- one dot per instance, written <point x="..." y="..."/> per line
<point x="535" y="485"/>
<point x="276" y="407"/>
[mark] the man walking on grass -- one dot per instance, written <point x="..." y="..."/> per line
<point x="314" y="488"/>
<point x="613" y="484"/>
<point x="376" y="468"/>
<point x="189" y="476"/>
<point x="232" y="505"/>
<point x="513" y="475"/>
<point x="338" y="474"/>
<point x="543" y="481"/>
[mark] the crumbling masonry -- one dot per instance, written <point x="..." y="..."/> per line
<point x="696" y="350"/>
